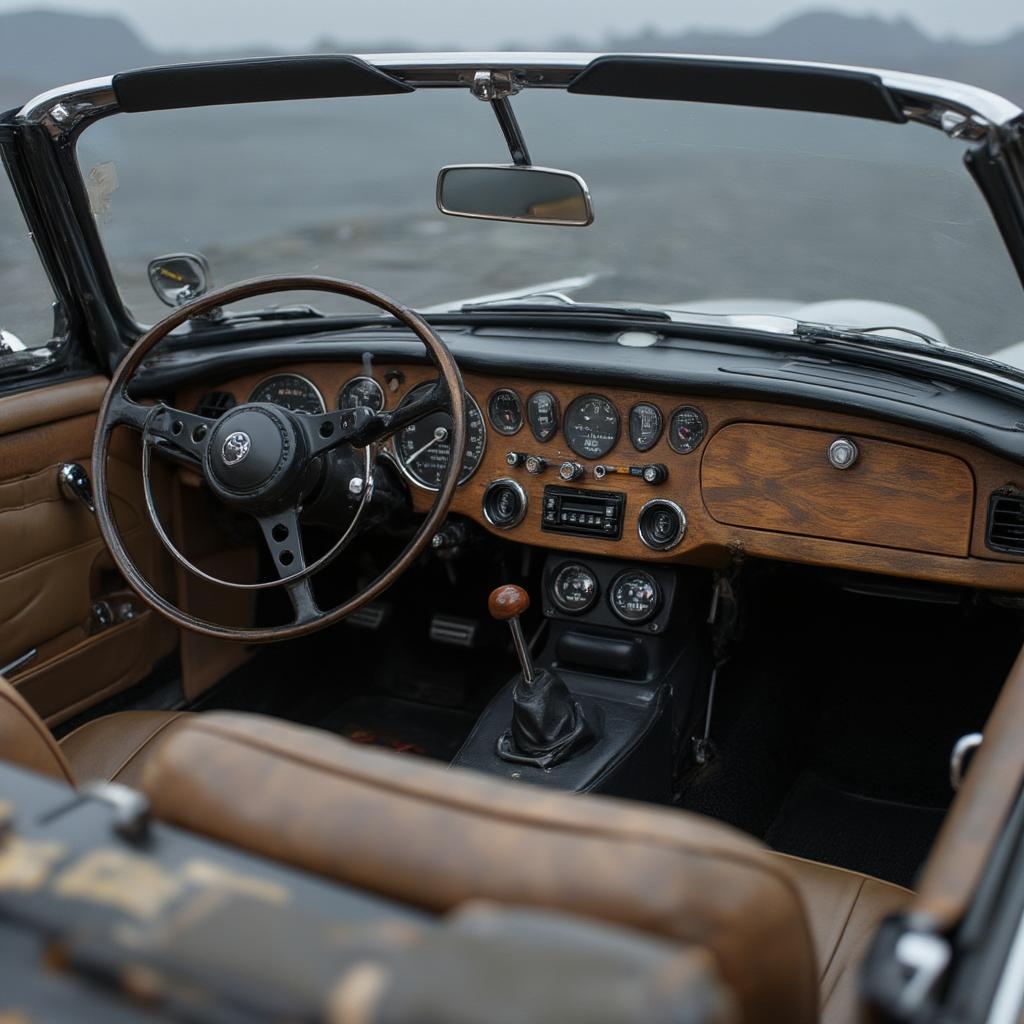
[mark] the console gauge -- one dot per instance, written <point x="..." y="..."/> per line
<point x="635" y="596"/>
<point x="294" y="393"/>
<point x="591" y="426"/>
<point x="574" y="588"/>
<point x="686" y="429"/>
<point x="645" y="425"/>
<point x="505" y="412"/>
<point x="423" y="448"/>
<point x="542" y="412"/>
<point x="361" y="391"/>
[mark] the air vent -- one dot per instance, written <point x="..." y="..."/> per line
<point x="1006" y="523"/>
<point x="214" y="404"/>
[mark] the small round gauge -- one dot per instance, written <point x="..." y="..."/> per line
<point x="645" y="425"/>
<point x="591" y="426"/>
<point x="423" y="448"/>
<point x="290" y="390"/>
<point x="635" y="597"/>
<point x="686" y="429"/>
<point x="505" y="412"/>
<point x="574" y="588"/>
<point x="542" y="412"/>
<point x="361" y="391"/>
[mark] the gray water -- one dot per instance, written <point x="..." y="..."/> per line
<point x="691" y="203"/>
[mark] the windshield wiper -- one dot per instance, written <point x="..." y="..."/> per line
<point x="299" y="311"/>
<point x="830" y="332"/>
<point x="535" y="303"/>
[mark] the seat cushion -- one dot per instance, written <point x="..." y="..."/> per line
<point x="435" y="838"/>
<point x="115" y="748"/>
<point x="845" y="909"/>
<point x="25" y="740"/>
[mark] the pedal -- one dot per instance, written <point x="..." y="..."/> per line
<point x="371" y="616"/>
<point x="454" y="632"/>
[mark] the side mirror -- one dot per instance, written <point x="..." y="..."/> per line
<point x="179" y="278"/>
<point x="529" y="195"/>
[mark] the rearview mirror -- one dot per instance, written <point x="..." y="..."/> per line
<point x="529" y="195"/>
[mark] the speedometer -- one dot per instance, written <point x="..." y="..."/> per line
<point x="591" y="426"/>
<point x="423" y="448"/>
<point x="290" y="390"/>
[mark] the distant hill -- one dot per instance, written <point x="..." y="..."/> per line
<point x="42" y="48"/>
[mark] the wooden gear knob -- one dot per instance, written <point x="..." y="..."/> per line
<point x="508" y="602"/>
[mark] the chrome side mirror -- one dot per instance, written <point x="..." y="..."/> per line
<point x="525" y="194"/>
<point x="179" y="277"/>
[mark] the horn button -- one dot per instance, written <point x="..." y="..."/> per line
<point x="255" y="453"/>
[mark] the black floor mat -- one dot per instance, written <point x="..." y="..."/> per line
<point x="821" y="822"/>
<point x="402" y="726"/>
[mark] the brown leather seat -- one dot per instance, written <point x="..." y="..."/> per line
<point x="787" y="935"/>
<point x="109" y="749"/>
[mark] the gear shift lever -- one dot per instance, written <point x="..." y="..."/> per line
<point x="547" y="724"/>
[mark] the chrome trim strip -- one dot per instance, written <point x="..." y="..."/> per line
<point x="922" y="97"/>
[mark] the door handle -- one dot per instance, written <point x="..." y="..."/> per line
<point x="75" y="484"/>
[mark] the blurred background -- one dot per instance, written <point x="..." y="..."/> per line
<point x="692" y="203"/>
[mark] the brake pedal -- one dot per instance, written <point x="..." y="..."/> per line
<point x="371" y="616"/>
<point x="454" y="631"/>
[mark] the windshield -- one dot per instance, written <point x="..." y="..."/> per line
<point x="701" y="207"/>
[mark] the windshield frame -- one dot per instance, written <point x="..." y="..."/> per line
<point x="989" y="128"/>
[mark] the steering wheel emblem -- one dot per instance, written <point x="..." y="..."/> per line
<point x="236" y="448"/>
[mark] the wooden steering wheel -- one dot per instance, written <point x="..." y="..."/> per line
<point x="262" y="459"/>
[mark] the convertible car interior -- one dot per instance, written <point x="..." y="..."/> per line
<point x="530" y="658"/>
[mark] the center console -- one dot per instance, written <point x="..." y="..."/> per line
<point x="624" y="642"/>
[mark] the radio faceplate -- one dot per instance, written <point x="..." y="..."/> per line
<point x="583" y="513"/>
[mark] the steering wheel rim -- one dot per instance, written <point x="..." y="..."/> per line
<point x="117" y="409"/>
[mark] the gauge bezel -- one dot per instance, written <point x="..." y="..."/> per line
<point x="683" y="524"/>
<point x="558" y="415"/>
<point x="400" y="462"/>
<point x="361" y="377"/>
<point x="671" y="420"/>
<point x="658" y="433"/>
<point x="524" y="502"/>
<point x="519" y="404"/>
<point x="579" y="399"/>
<point x="556" y="598"/>
<point x="658" y="604"/>
<point x="295" y="376"/>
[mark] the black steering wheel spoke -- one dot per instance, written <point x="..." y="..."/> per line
<point x="384" y="424"/>
<point x="330" y="430"/>
<point x="283" y="537"/>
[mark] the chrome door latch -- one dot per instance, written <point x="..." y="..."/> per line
<point x="962" y="750"/>
<point x="75" y="484"/>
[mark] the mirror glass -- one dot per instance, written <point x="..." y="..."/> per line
<point x="179" y="278"/>
<point x="532" y="195"/>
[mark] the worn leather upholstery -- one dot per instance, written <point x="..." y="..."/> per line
<point x="109" y="749"/>
<point x="779" y="929"/>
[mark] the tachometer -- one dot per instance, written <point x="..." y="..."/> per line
<point x="290" y="390"/>
<point x="361" y="391"/>
<point x="423" y="448"/>
<point x="591" y="426"/>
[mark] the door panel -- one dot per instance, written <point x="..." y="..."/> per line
<point x="53" y="564"/>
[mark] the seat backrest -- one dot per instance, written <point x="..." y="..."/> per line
<point x="435" y="838"/>
<point x="25" y="739"/>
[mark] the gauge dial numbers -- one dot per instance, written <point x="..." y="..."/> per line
<point x="543" y="415"/>
<point x="574" y="588"/>
<point x="422" y="449"/>
<point x="505" y="411"/>
<point x="635" y="596"/>
<point x="292" y="392"/>
<point x="686" y="429"/>
<point x="591" y="426"/>
<point x="361" y="392"/>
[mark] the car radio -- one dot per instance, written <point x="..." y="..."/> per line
<point x="583" y="513"/>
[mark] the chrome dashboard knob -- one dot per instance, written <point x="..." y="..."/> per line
<point x="570" y="471"/>
<point x="535" y="465"/>
<point x="842" y="453"/>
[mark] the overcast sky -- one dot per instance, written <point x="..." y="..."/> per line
<point x="202" y="24"/>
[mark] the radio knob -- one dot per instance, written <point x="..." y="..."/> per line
<point x="570" y="471"/>
<point x="535" y="465"/>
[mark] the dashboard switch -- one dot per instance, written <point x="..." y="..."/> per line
<point x="570" y="471"/>
<point x="535" y="465"/>
<point x="655" y="473"/>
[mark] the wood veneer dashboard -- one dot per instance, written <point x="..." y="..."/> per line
<point x="914" y="504"/>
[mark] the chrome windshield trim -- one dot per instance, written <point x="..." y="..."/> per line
<point x="922" y="98"/>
